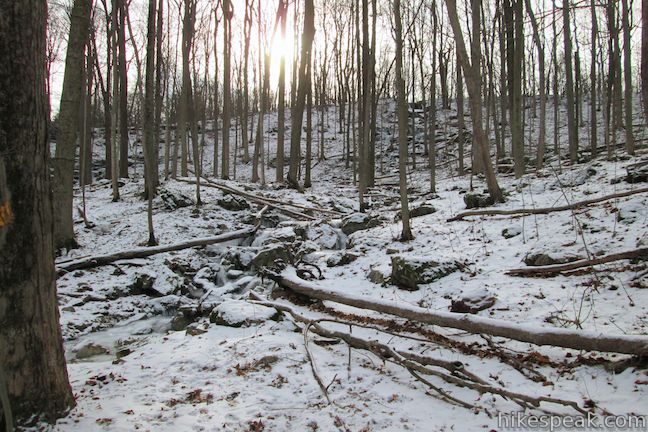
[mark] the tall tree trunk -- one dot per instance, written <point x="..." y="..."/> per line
<point x="644" y="57"/>
<point x="308" y="35"/>
<point x="227" y="90"/>
<point x="150" y="138"/>
<point x="32" y="362"/>
<point x="159" y="94"/>
<point x="461" y="123"/>
<point x="627" y="73"/>
<point x="63" y="162"/>
<point x="473" y="84"/>
<point x="401" y="104"/>
<point x="281" y="120"/>
<point x="123" y="90"/>
<point x="541" y="86"/>
<point x="569" y="86"/>
<point x="593" y="101"/>
<point x="247" y="27"/>
<point x="517" y="104"/>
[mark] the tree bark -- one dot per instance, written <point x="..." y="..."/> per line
<point x="495" y="212"/>
<point x="569" y="86"/>
<point x="32" y="358"/>
<point x="63" y="162"/>
<point x="560" y="337"/>
<point x="559" y="268"/>
<point x="401" y="106"/>
<point x="473" y="84"/>
<point x="302" y="91"/>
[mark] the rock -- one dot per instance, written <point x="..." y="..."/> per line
<point x="341" y="258"/>
<point x="326" y="236"/>
<point x="279" y="235"/>
<point x="91" y="349"/>
<point x="637" y="173"/>
<point x="144" y="284"/>
<point x="174" y="200"/>
<point x="358" y="222"/>
<point x="376" y="276"/>
<point x="194" y="330"/>
<point x="408" y="271"/>
<point x="180" y="321"/>
<point x="473" y="301"/>
<point x="233" y="203"/>
<point x="477" y="200"/>
<point x="268" y="256"/>
<point x="511" y="232"/>
<point x="238" y="313"/>
<point x="549" y="258"/>
<point x="574" y="178"/>
<point x="239" y="259"/>
<point x="422" y="210"/>
<point x="123" y="352"/>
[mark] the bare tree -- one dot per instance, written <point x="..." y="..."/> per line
<point x="63" y="162"/>
<point x="472" y="73"/>
<point x="32" y="362"/>
<point x="228" y="13"/>
<point x="569" y="86"/>
<point x="308" y="35"/>
<point x="401" y="103"/>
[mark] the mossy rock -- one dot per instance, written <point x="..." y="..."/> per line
<point x="409" y="271"/>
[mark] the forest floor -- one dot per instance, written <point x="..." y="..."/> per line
<point x="172" y="343"/>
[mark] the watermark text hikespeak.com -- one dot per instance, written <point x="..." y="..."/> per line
<point x="523" y="421"/>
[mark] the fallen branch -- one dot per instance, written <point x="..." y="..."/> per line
<point x="566" y="338"/>
<point x="415" y="364"/>
<point x="523" y="211"/>
<point x="559" y="268"/>
<point x="101" y="260"/>
<point x="253" y="198"/>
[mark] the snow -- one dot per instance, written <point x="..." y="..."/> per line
<point x="215" y="377"/>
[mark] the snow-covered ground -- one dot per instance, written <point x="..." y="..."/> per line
<point x="136" y="362"/>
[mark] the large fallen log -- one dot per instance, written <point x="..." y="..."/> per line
<point x="101" y="260"/>
<point x="559" y="268"/>
<point x="560" y="337"/>
<point x="544" y="210"/>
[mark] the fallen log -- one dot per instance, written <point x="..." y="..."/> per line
<point x="559" y="268"/>
<point x="545" y="210"/>
<point x="416" y="363"/>
<point x="101" y="260"/>
<point x="560" y="337"/>
<point x="253" y="198"/>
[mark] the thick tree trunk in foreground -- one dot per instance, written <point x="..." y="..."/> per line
<point x="575" y="339"/>
<point x="31" y="346"/>
<point x="63" y="163"/>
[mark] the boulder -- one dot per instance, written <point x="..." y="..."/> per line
<point x="376" y="276"/>
<point x="341" y="258"/>
<point x="144" y="284"/>
<point x="269" y="255"/>
<point x="174" y="200"/>
<point x="473" y="301"/>
<point x="233" y="203"/>
<point x="511" y="232"/>
<point x="325" y="236"/>
<point x="477" y="200"/>
<point x="637" y="173"/>
<point x="549" y="258"/>
<point x="358" y="222"/>
<point x="239" y="313"/>
<point x="409" y="271"/>
<point x="422" y="210"/>
<point x="90" y="349"/>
